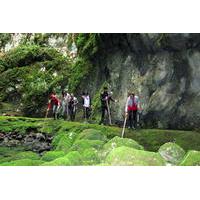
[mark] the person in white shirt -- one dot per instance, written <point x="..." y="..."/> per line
<point x="86" y="105"/>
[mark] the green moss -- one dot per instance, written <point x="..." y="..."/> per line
<point x="118" y="142"/>
<point x="192" y="158"/>
<point x="23" y="162"/>
<point x="52" y="155"/>
<point x="92" y="134"/>
<point x="71" y="159"/>
<point x="152" y="139"/>
<point x="82" y="145"/>
<point x="64" y="144"/>
<point x="90" y="157"/>
<point x="129" y="156"/>
<point x="172" y="153"/>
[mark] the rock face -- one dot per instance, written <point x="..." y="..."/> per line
<point x="163" y="69"/>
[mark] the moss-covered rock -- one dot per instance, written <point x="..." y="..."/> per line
<point x="63" y="142"/>
<point x="81" y="145"/>
<point x="92" y="134"/>
<point x="19" y="156"/>
<point x="118" y="142"/>
<point x="52" y="155"/>
<point x="71" y="159"/>
<point x="172" y="153"/>
<point x="23" y="162"/>
<point x="192" y="158"/>
<point x="128" y="156"/>
<point x="90" y="157"/>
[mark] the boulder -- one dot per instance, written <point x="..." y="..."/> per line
<point x="126" y="156"/>
<point x="192" y="158"/>
<point x="118" y="142"/>
<point x="23" y="162"/>
<point x="90" y="157"/>
<point x="92" y="134"/>
<point x="52" y="155"/>
<point x="63" y="141"/>
<point x="73" y="158"/>
<point x="171" y="153"/>
<point x="81" y="145"/>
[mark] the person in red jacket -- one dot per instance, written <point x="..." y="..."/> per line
<point x="131" y="110"/>
<point x="54" y="103"/>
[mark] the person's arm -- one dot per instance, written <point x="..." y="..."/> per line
<point x="75" y="101"/>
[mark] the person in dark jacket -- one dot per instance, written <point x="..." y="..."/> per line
<point x="105" y="98"/>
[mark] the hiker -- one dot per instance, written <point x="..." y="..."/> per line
<point x="72" y="106"/>
<point x="86" y="105"/>
<point x="65" y="103"/>
<point x="54" y="102"/>
<point x="131" y="110"/>
<point x="105" y="98"/>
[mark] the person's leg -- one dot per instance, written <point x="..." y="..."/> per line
<point x="87" y="113"/>
<point x="130" y="118"/>
<point x="103" y="109"/>
<point x="56" y="112"/>
<point x="135" y="118"/>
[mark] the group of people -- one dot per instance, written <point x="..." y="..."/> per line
<point x="66" y="106"/>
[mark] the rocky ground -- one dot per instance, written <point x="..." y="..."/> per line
<point x="45" y="142"/>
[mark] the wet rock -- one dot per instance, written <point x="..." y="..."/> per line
<point x="40" y="136"/>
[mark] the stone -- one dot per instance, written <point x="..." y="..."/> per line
<point x="126" y="156"/>
<point x="192" y="158"/>
<point x="118" y="142"/>
<point x="91" y="134"/>
<point x="171" y="153"/>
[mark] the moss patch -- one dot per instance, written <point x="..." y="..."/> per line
<point x="128" y="156"/>
<point x="192" y="158"/>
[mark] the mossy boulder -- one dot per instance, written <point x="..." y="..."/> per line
<point x="126" y="156"/>
<point x="19" y="156"/>
<point x="192" y="158"/>
<point x="92" y="134"/>
<point x="81" y="145"/>
<point x="73" y="158"/>
<point x="118" y="142"/>
<point x="171" y="153"/>
<point x="63" y="142"/>
<point x="90" y="157"/>
<point x="52" y="155"/>
<point x="23" y="162"/>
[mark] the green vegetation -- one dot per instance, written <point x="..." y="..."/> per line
<point x="52" y="155"/>
<point x="129" y="156"/>
<point x="192" y="158"/>
<point x="29" y="73"/>
<point x="90" y="144"/>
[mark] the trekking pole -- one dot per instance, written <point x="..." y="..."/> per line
<point x="123" y="130"/>
<point x="67" y="110"/>
<point x="109" y="116"/>
<point x="85" y="114"/>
